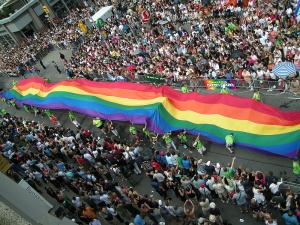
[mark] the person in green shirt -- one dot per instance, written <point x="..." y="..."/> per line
<point x="199" y="146"/>
<point x="47" y="112"/>
<point x="179" y="161"/>
<point x="147" y="132"/>
<point x="229" y="172"/>
<point x="184" y="89"/>
<point x="225" y="90"/>
<point x="14" y="104"/>
<point x="183" y="139"/>
<point x="99" y="124"/>
<point x="71" y="115"/>
<point x="14" y="83"/>
<point x="3" y="111"/>
<point x="133" y="131"/>
<point x="36" y="111"/>
<point x="229" y="139"/>
<point x="256" y="95"/>
<point x="47" y="80"/>
<point x="4" y="100"/>
<point x="169" y="141"/>
<point x="296" y="168"/>
<point x="26" y="107"/>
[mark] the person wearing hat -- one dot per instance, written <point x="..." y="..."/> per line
<point x="204" y="191"/>
<point x="215" y="212"/>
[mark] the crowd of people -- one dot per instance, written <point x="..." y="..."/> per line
<point x="225" y="40"/>
<point x="90" y="167"/>
<point x="183" y="41"/>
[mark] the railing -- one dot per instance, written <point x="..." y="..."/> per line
<point x="270" y="85"/>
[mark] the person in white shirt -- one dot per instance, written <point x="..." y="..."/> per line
<point x="76" y="201"/>
<point x="274" y="187"/>
<point x="159" y="177"/>
<point x="88" y="157"/>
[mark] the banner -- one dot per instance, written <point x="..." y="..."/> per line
<point x="164" y="109"/>
<point x="218" y="84"/>
<point x="29" y="189"/>
<point x="4" y="164"/>
<point x="99" y="23"/>
<point x="156" y="78"/>
<point x="82" y="26"/>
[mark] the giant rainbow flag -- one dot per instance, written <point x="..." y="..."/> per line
<point x="255" y="125"/>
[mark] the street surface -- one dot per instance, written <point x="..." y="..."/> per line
<point x="215" y="153"/>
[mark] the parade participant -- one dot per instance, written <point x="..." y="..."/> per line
<point x="3" y="111"/>
<point x="134" y="132"/>
<point x="147" y="132"/>
<point x="71" y="115"/>
<point x="296" y="168"/>
<point x="229" y="139"/>
<point x="183" y="139"/>
<point x="14" y="83"/>
<point x="169" y="141"/>
<point x="47" y="80"/>
<point x="54" y="121"/>
<point x="4" y="100"/>
<point x="26" y="107"/>
<point x="99" y="124"/>
<point x="113" y="129"/>
<point x="47" y="112"/>
<point x="74" y="119"/>
<point x="199" y="146"/>
<point x="256" y="95"/>
<point x="76" y="123"/>
<point x="14" y="104"/>
<point x="156" y="143"/>
<point x="36" y="111"/>
<point x="225" y="90"/>
<point x="184" y="89"/>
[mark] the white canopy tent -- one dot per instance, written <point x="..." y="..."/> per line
<point x="104" y="13"/>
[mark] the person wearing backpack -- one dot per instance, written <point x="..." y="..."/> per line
<point x="241" y="200"/>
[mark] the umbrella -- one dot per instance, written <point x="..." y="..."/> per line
<point x="236" y="53"/>
<point x="284" y="69"/>
<point x="131" y="67"/>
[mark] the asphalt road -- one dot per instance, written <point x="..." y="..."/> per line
<point x="215" y="153"/>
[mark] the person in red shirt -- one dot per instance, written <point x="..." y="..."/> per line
<point x="54" y="121"/>
<point x="86" y="132"/>
<point x="81" y="161"/>
<point x="155" y="165"/>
